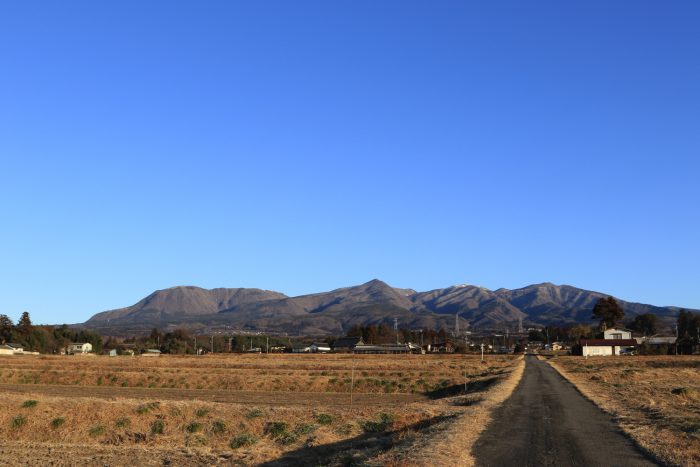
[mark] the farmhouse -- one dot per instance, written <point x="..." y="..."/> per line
<point x="151" y="353"/>
<point x="6" y="350"/>
<point x="79" y="348"/>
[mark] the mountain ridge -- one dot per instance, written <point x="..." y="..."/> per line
<point x="373" y="302"/>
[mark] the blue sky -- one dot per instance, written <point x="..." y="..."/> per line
<point x="304" y="146"/>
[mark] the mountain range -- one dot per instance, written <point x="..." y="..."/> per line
<point x="334" y="312"/>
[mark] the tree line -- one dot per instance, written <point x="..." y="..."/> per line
<point x="44" y="338"/>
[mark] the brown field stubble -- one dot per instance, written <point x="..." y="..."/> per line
<point x="153" y="410"/>
<point x="655" y="399"/>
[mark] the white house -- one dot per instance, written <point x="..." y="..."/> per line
<point x="79" y="347"/>
<point x="602" y="347"/>
<point x="617" y="333"/>
<point x="16" y="348"/>
<point x="6" y="350"/>
<point x="319" y="348"/>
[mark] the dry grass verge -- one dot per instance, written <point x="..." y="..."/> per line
<point x="465" y="418"/>
<point x="655" y="399"/>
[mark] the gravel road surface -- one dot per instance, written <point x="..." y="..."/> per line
<point x="547" y="422"/>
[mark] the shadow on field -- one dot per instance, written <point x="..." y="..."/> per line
<point x="353" y="451"/>
<point x="458" y="389"/>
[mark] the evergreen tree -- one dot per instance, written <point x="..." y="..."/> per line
<point x="6" y="327"/>
<point x="608" y="311"/>
<point x="646" y="324"/>
<point x="24" y="326"/>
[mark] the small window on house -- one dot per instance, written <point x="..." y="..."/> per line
<point x="617" y="335"/>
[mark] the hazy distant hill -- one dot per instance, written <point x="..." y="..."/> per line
<point x="373" y="302"/>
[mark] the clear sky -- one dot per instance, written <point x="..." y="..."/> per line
<point x="304" y="146"/>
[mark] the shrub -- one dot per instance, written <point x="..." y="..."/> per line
<point x="18" y="421"/>
<point x="28" y="404"/>
<point x="97" y="430"/>
<point x="304" y="429"/>
<point x="145" y="408"/>
<point x="324" y="419"/>
<point x="243" y="440"/>
<point x="376" y="426"/>
<point x="287" y="438"/>
<point x="275" y="429"/>
<point x="218" y="427"/>
<point x="371" y="426"/>
<point x="157" y="427"/>
<point x="57" y="422"/>
<point x="344" y="430"/>
<point x="122" y="422"/>
<point x="255" y="413"/>
<point x="679" y="391"/>
<point x="201" y="412"/>
<point x="193" y="427"/>
<point x="386" y="418"/>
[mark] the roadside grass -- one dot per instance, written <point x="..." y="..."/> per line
<point x="655" y="399"/>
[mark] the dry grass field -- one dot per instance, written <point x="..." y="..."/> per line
<point x="656" y="399"/>
<point x="232" y="409"/>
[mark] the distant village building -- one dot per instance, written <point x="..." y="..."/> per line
<point x="382" y="349"/>
<point x="16" y="348"/>
<point x="6" y="350"/>
<point x="151" y="353"/>
<point x="557" y="346"/>
<point x="347" y="344"/>
<point x="658" y="344"/>
<point x="79" y="348"/>
<point x="113" y="353"/>
<point x="441" y="347"/>
<point x="319" y="348"/>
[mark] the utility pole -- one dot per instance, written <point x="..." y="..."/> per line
<point x="212" y="343"/>
<point x="267" y="344"/>
<point x="676" y="338"/>
<point x="352" y="378"/>
<point x="396" y="328"/>
<point x="195" y="346"/>
<point x="482" y="352"/>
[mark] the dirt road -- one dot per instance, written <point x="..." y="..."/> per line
<point x="233" y="397"/>
<point x="547" y="422"/>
